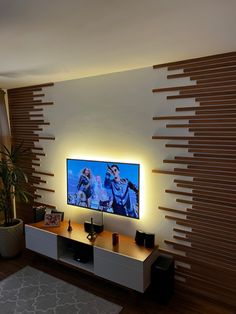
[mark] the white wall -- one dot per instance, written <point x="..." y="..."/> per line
<point x="109" y="117"/>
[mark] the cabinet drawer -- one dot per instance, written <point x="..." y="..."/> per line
<point x="41" y="241"/>
<point x="120" y="269"/>
<point x="117" y="257"/>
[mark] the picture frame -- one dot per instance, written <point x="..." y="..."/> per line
<point x="55" y="211"/>
<point x="52" y="219"/>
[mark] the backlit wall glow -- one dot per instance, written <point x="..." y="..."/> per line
<point x="108" y="117"/>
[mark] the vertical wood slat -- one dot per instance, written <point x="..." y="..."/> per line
<point x="22" y="102"/>
<point x="210" y="184"/>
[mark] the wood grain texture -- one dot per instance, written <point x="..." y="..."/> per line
<point x="26" y="117"/>
<point x="207" y="196"/>
<point x="182" y="63"/>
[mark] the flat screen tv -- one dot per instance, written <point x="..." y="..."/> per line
<point x="110" y="187"/>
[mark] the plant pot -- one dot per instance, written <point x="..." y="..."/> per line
<point x="11" y="239"/>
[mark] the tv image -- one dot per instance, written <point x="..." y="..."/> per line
<point x="110" y="187"/>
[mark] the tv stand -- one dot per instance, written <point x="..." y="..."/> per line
<point x="126" y="263"/>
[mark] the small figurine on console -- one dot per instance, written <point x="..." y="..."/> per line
<point x="69" y="227"/>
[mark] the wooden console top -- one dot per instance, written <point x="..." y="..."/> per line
<point x="126" y="245"/>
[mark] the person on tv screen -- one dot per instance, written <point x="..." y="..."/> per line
<point x="124" y="193"/>
<point x="100" y="196"/>
<point x="85" y="187"/>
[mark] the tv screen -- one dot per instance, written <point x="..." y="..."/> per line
<point x="110" y="187"/>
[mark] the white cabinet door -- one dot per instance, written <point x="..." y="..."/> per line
<point x="41" y="241"/>
<point x="121" y="269"/>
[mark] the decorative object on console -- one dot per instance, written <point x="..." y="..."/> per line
<point x="39" y="212"/>
<point x="52" y="219"/>
<point x="140" y="237"/>
<point x="96" y="227"/>
<point x="69" y="229"/>
<point x="55" y="211"/>
<point x="115" y="238"/>
<point x="92" y="234"/>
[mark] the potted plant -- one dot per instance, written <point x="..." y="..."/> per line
<point x="12" y="187"/>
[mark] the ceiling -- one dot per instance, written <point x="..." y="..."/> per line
<point x="55" y="40"/>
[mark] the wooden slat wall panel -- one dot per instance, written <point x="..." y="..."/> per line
<point x="26" y="109"/>
<point x="209" y="247"/>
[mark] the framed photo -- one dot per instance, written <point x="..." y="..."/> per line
<point x="52" y="220"/>
<point x="55" y="211"/>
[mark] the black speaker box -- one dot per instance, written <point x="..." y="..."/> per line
<point x="162" y="278"/>
<point x="83" y="253"/>
<point x="39" y="213"/>
<point x="97" y="228"/>
<point x="149" y="240"/>
<point x="140" y="237"/>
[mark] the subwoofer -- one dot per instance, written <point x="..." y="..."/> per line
<point x="162" y="278"/>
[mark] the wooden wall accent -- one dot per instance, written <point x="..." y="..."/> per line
<point x="205" y="252"/>
<point x="26" y="110"/>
